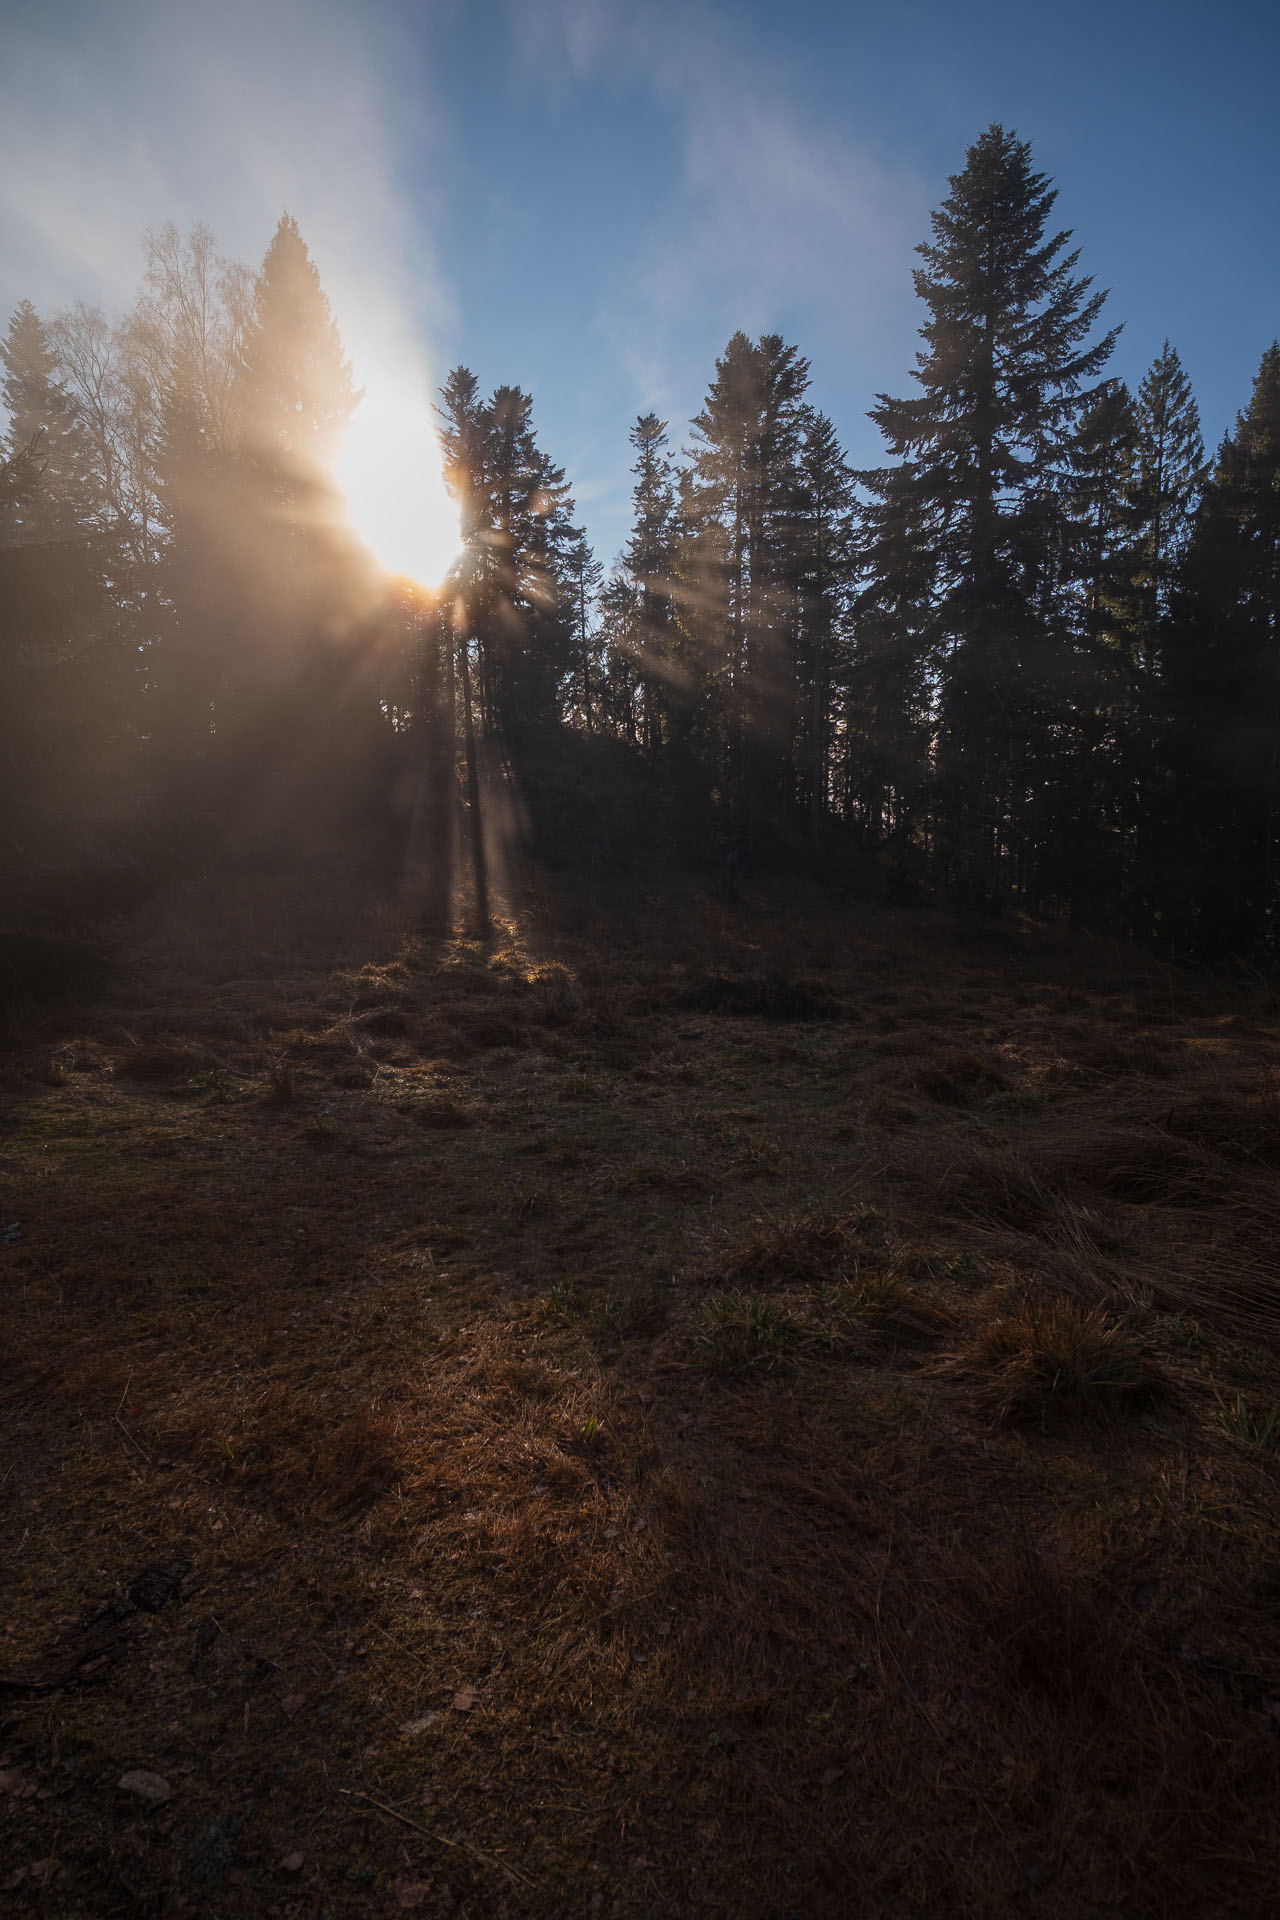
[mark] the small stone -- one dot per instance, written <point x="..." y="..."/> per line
<point x="414" y="1729"/>
<point x="147" y="1787"/>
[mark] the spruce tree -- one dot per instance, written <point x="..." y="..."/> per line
<point x="295" y="393"/>
<point x="1222" y="671"/>
<point x="1171" y="472"/>
<point x="583" y="575"/>
<point x="743" y="510"/>
<point x="651" y="559"/>
<point x="888" y="720"/>
<point x="824" y="533"/>
<point x="44" y="434"/>
<point x="1005" y="373"/>
<point x="516" y="575"/>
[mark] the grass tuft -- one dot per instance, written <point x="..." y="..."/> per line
<point x="740" y="1334"/>
<point x="1047" y="1356"/>
<point x="1254" y="1423"/>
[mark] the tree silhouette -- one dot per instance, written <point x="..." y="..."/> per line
<point x="1004" y="371"/>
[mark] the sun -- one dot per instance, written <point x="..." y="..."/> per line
<point x="390" y="473"/>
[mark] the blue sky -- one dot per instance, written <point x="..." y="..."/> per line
<point x="587" y="196"/>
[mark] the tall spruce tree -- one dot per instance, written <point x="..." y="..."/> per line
<point x="743" y="509"/>
<point x="290" y="673"/>
<point x="1170" y="475"/>
<point x="1222" y="670"/>
<point x="58" y="704"/>
<point x="516" y="576"/>
<point x="824" y="533"/>
<point x="651" y="559"/>
<point x="583" y="575"/>
<point x="1005" y="373"/>
<point x="884" y="769"/>
<point x="295" y="393"/>
<point x="45" y="430"/>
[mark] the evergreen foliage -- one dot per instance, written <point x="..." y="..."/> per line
<point x="1031" y="662"/>
<point x="1222" y="663"/>
<point x="987" y="449"/>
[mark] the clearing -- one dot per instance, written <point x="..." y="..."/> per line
<point x="754" y="1410"/>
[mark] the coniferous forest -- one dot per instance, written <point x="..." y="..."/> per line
<point x="638" y="1195"/>
<point x="1029" y="664"/>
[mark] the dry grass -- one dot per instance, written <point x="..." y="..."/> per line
<point x="1043" y="1358"/>
<point x="637" y="1460"/>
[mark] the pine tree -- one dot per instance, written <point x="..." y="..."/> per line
<point x="1004" y="373"/>
<point x="620" y="627"/>
<point x="1097" y="761"/>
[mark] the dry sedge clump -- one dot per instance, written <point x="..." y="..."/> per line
<point x="281" y="1087"/>
<point x="1243" y="1127"/>
<point x="883" y="1304"/>
<point x="957" y="1076"/>
<point x="295" y="1451"/>
<point x="996" y="1186"/>
<point x="632" y="1308"/>
<point x="561" y="997"/>
<point x="161" y="1062"/>
<point x="1046" y="1356"/>
<point x="788" y="1247"/>
<point x="744" y="1333"/>
<point x="1253" y="1423"/>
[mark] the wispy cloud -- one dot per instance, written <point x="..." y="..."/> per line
<point x="781" y="213"/>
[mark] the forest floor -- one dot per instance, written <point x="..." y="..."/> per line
<point x="751" y="1410"/>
